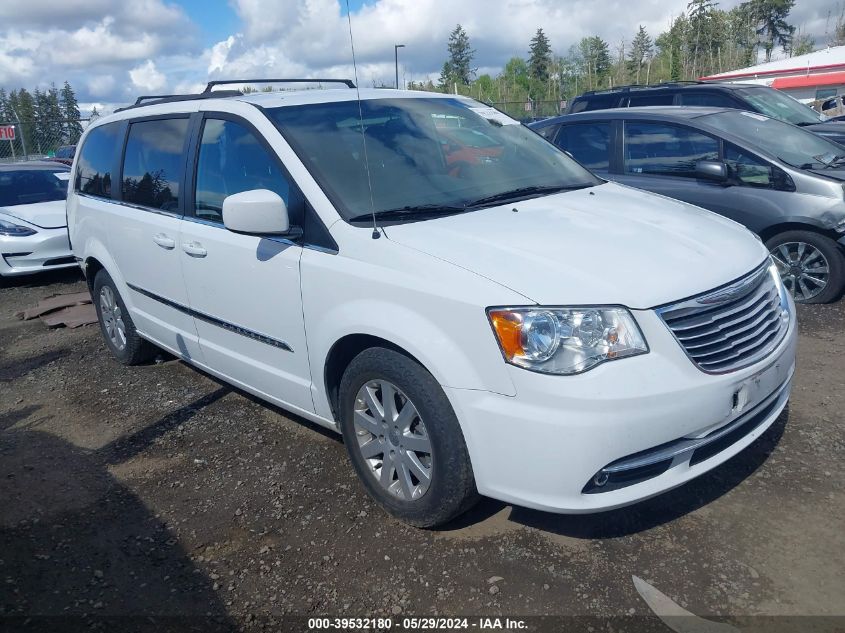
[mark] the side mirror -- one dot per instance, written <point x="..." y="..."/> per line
<point x="713" y="170"/>
<point x="257" y="212"/>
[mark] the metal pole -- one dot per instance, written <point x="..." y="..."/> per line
<point x="23" y="136"/>
<point x="396" y="48"/>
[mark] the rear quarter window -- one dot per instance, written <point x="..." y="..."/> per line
<point x="96" y="158"/>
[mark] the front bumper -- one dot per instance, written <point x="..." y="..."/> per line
<point x="48" y="249"/>
<point x="544" y="447"/>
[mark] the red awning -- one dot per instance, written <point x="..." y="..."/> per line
<point x="809" y="81"/>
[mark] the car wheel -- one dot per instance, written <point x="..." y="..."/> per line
<point x="116" y="325"/>
<point x="404" y="439"/>
<point x="811" y="265"/>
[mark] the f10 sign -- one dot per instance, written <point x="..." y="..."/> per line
<point x="7" y="132"/>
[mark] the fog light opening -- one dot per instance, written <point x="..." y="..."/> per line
<point x="601" y="478"/>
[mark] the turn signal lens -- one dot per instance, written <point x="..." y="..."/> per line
<point x="508" y="326"/>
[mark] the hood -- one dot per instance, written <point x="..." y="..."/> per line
<point x="609" y="244"/>
<point x="45" y="215"/>
<point x="831" y="130"/>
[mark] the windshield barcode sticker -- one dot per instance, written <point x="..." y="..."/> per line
<point x="492" y="114"/>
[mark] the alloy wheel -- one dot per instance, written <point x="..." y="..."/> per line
<point x="393" y="440"/>
<point x="112" y="318"/>
<point x="803" y="268"/>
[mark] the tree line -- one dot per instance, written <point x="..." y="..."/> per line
<point x="44" y="119"/>
<point x="703" y="40"/>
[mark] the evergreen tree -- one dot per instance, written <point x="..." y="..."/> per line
<point x="596" y="56"/>
<point x="640" y="53"/>
<point x="772" y="27"/>
<point x="461" y="54"/>
<point x="70" y="113"/>
<point x="540" y="57"/>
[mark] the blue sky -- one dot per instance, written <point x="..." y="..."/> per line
<point x="113" y="50"/>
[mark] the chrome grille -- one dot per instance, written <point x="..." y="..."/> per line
<point x="734" y="326"/>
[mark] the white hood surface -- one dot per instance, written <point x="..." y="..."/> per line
<point x="46" y="215"/>
<point x="608" y="244"/>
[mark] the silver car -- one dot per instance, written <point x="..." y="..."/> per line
<point x="33" y="222"/>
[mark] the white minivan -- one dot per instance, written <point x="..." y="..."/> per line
<point x="474" y="311"/>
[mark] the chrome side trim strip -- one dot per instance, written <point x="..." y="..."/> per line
<point x="226" y="325"/>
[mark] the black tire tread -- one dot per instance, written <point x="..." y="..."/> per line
<point x="138" y="350"/>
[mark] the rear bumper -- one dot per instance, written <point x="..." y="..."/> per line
<point x="48" y="249"/>
<point x="650" y="423"/>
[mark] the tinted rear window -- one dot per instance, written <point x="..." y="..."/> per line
<point x="595" y="102"/>
<point x="93" y="173"/>
<point x="652" y="99"/>
<point x="153" y="163"/>
<point x="29" y="186"/>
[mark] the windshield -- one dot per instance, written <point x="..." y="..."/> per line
<point x="790" y="144"/>
<point x="423" y="153"/>
<point x="28" y="186"/>
<point x="775" y="104"/>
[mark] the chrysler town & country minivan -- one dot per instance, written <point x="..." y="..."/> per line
<point x="513" y="327"/>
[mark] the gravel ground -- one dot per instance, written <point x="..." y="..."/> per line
<point x="157" y="490"/>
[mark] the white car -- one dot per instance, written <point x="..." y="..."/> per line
<point x="512" y="327"/>
<point x="33" y="224"/>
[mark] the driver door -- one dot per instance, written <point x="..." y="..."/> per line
<point x="244" y="289"/>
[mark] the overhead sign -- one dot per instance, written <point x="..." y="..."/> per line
<point x="7" y="132"/>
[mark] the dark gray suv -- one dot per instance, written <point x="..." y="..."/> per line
<point x="782" y="182"/>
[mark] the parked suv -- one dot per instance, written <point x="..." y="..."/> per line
<point x="751" y="97"/>
<point x="516" y="328"/>
<point x="781" y="182"/>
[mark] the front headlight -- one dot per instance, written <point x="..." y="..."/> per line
<point x="565" y="340"/>
<point x="14" y="230"/>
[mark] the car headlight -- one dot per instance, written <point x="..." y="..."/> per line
<point x="565" y="340"/>
<point x="14" y="230"/>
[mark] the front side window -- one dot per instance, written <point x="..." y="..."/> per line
<point x="28" y="186"/>
<point x="747" y="168"/>
<point x="660" y="148"/>
<point x="824" y="93"/>
<point x="788" y="143"/>
<point x="96" y="160"/>
<point x="231" y="160"/>
<point x="776" y="104"/>
<point x="153" y="163"/>
<point x="422" y="153"/>
<point x="589" y="143"/>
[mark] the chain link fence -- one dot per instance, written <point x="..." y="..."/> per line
<point x="35" y="140"/>
<point x="531" y="110"/>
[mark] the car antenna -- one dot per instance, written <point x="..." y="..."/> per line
<point x="376" y="233"/>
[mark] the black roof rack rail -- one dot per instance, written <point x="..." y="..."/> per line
<point x="147" y="100"/>
<point x="629" y="87"/>
<point x="347" y="82"/>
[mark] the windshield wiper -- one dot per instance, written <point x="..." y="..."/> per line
<point x="417" y="212"/>
<point x="525" y="192"/>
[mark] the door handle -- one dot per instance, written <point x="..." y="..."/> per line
<point x="194" y="249"/>
<point x="164" y="241"/>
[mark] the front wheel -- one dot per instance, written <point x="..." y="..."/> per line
<point x="404" y="439"/>
<point x="811" y="265"/>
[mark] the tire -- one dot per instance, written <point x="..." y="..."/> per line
<point x="450" y="489"/>
<point x="800" y="253"/>
<point x="124" y="344"/>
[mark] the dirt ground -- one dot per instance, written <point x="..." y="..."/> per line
<point x="157" y="490"/>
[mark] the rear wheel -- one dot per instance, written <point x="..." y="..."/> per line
<point x="116" y="325"/>
<point x="404" y="439"/>
<point x="811" y="265"/>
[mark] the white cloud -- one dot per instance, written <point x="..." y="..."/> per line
<point x="147" y="77"/>
<point x="95" y="43"/>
